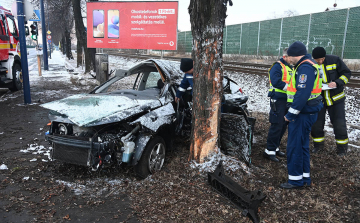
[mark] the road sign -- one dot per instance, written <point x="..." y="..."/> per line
<point x="48" y="32"/>
<point x="49" y="41"/>
<point x="35" y="16"/>
<point x="49" y="37"/>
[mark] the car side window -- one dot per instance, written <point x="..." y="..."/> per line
<point x="12" y="27"/>
<point x="125" y="83"/>
<point x="152" y="80"/>
<point x="4" y="25"/>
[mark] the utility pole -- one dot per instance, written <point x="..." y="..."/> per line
<point x="24" y="63"/>
<point x="43" y="27"/>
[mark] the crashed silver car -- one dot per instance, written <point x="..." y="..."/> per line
<point x="136" y="126"/>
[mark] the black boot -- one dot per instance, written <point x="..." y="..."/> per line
<point x="271" y="157"/>
<point x="342" y="149"/>
<point x="317" y="147"/>
<point x="279" y="153"/>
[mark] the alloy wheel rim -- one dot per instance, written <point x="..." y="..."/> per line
<point x="157" y="157"/>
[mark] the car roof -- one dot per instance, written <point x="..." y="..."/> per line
<point x="171" y="69"/>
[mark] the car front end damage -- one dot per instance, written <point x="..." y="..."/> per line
<point x="93" y="147"/>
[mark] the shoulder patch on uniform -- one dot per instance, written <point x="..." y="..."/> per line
<point x="302" y="78"/>
<point x="301" y="85"/>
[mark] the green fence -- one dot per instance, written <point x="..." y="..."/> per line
<point x="337" y="31"/>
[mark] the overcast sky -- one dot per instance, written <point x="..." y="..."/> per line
<point x="255" y="10"/>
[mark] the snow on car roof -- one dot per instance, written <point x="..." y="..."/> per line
<point x="171" y="69"/>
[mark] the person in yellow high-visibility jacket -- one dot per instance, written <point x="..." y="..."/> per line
<point x="304" y="100"/>
<point x="279" y="76"/>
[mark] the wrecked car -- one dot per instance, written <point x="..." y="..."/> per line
<point x="136" y="126"/>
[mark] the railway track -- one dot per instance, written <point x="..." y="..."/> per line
<point x="249" y="68"/>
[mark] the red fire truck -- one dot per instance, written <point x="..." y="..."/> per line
<point x="10" y="62"/>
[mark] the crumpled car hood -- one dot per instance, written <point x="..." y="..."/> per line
<point x="88" y="110"/>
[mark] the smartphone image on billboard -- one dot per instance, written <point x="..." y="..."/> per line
<point x="98" y="23"/>
<point x="113" y="23"/>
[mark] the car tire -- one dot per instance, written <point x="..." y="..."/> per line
<point x="152" y="159"/>
<point x="17" y="78"/>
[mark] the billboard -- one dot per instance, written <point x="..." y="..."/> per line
<point x="132" y="25"/>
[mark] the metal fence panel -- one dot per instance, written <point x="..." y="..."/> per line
<point x="352" y="41"/>
<point x="270" y="37"/>
<point x="327" y="30"/>
<point x="294" y="29"/>
<point x="249" y="38"/>
<point x="233" y="39"/>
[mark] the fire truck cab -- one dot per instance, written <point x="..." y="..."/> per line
<point x="10" y="61"/>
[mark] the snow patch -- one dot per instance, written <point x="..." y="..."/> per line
<point x="229" y="164"/>
<point x="3" y="167"/>
<point x="38" y="149"/>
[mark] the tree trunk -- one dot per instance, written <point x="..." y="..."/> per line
<point x="63" y="45"/>
<point x="207" y="22"/>
<point x="78" y="54"/>
<point x="68" y="45"/>
<point x="82" y="36"/>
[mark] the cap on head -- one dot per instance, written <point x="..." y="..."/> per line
<point x="186" y="64"/>
<point x="297" y="49"/>
<point x="318" y="52"/>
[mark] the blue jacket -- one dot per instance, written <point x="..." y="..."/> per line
<point x="186" y="82"/>
<point x="276" y="80"/>
<point x="304" y="86"/>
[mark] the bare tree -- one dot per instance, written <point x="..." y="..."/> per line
<point x="207" y="22"/>
<point x="82" y="37"/>
<point x="290" y="13"/>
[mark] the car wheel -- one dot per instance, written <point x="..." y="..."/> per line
<point x="17" y="78"/>
<point x="152" y="158"/>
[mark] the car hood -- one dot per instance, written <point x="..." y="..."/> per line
<point x="89" y="110"/>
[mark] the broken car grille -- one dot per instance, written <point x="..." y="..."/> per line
<point x="71" y="154"/>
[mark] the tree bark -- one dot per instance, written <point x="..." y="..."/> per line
<point x="81" y="34"/>
<point x="207" y="23"/>
<point x="68" y="45"/>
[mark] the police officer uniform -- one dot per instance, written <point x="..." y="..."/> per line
<point x="336" y="71"/>
<point x="279" y="76"/>
<point x="186" y="64"/>
<point x="304" y="99"/>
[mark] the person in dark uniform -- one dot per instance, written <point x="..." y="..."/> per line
<point x="186" y="66"/>
<point x="305" y="101"/>
<point x="279" y="76"/>
<point x="335" y="74"/>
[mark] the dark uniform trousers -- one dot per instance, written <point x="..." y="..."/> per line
<point x="337" y="118"/>
<point x="278" y="125"/>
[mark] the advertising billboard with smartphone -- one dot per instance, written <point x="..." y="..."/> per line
<point x="132" y="25"/>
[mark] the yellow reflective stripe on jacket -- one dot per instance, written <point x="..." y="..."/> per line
<point x="344" y="78"/>
<point x="338" y="96"/>
<point x="331" y="67"/>
<point x="320" y="139"/>
<point x="342" y="141"/>
<point x="324" y="73"/>
<point x="328" y="98"/>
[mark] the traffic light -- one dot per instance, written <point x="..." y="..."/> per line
<point x="26" y="31"/>
<point x="33" y="31"/>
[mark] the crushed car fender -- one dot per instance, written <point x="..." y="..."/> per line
<point x="157" y="118"/>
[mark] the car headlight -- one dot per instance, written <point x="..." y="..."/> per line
<point x="64" y="129"/>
